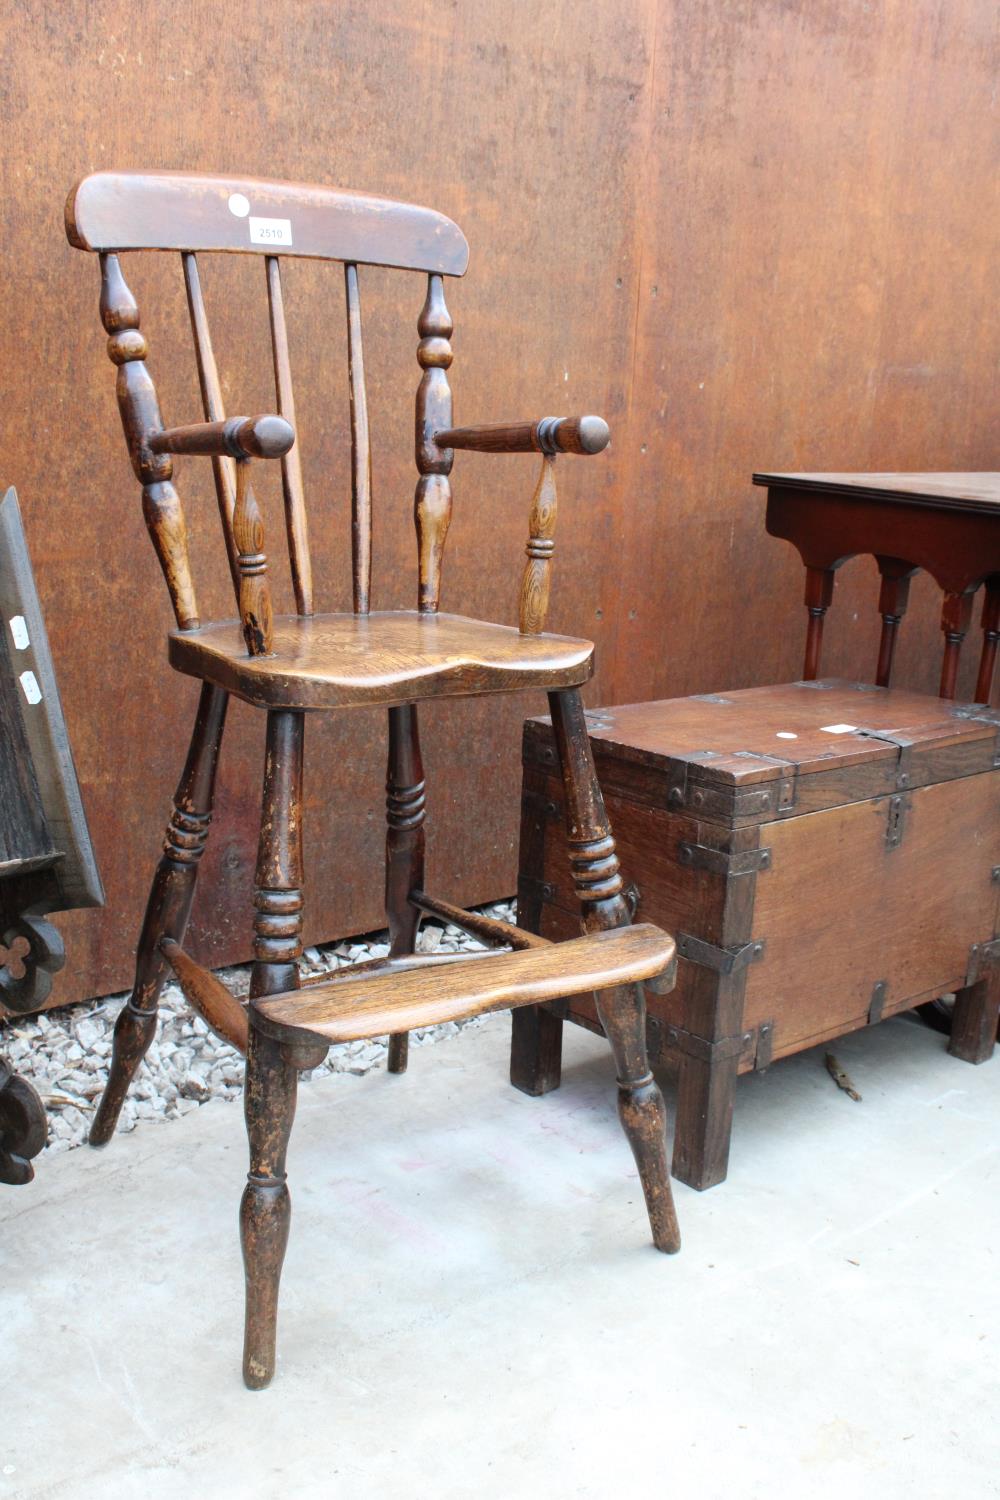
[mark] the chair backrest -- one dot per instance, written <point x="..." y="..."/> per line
<point x="111" y="212"/>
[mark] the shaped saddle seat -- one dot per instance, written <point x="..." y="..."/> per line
<point x="336" y="661"/>
<point x="426" y="992"/>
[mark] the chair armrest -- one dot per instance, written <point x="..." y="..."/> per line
<point x="550" y="435"/>
<point x="237" y="437"/>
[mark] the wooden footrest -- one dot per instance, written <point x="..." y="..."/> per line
<point x="385" y="1001"/>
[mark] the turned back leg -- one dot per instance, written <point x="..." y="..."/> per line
<point x="404" y="847"/>
<point x="167" y="909"/>
<point x="622" y="1010"/>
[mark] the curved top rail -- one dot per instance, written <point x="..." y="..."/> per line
<point x="195" y="211"/>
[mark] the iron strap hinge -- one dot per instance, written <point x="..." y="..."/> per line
<point x="703" y="1050"/>
<point x="982" y="957"/>
<point x="721" y="960"/>
<point x="903" y="743"/>
<point x="758" y="1045"/>
<point x="981" y="713"/>
<point x="544" y="808"/>
<point x="898" y="804"/>
<point x="530" y="888"/>
<point x="876" y="1007"/>
<point x="786" y="791"/>
<point x="678" y="770"/>
<point x="721" y="861"/>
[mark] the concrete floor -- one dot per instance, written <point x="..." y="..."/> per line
<point x="471" y="1307"/>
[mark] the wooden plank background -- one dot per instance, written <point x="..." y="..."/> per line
<point x="753" y="235"/>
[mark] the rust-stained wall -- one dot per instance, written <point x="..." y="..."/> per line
<point x="753" y="235"/>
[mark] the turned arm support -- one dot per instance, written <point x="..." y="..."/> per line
<point x="550" y="435"/>
<point x="242" y="438"/>
<point x="237" y="437"/>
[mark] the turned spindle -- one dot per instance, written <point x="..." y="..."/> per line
<point x="140" y="414"/>
<point x="537" y="577"/>
<point x="255" y="596"/>
<point x="432" y="502"/>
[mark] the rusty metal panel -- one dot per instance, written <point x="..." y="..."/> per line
<point x="748" y="236"/>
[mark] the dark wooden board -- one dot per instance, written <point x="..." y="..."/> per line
<point x="962" y="491"/>
<point x="750" y="237"/>
<point x="33" y="722"/>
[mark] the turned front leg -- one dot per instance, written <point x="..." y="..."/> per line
<point x="622" y="1010"/>
<point x="266" y="1207"/>
<point x="278" y="891"/>
<point x="167" y="909"/>
<point x="404" y="847"/>
<point x="269" y="1091"/>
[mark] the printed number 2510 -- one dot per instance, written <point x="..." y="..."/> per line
<point x="270" y="231"/>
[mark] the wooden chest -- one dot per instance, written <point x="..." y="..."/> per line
<point x="825" y="854"/>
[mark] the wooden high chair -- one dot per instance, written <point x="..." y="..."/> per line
<point x="308" y="662"/>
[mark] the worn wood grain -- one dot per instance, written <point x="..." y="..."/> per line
<point x="332" y="661"/>
<point x="379" y="1003"/>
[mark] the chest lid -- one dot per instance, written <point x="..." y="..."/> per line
<point x="759" y="753"/>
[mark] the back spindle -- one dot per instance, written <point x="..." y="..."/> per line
<point x="213" y="407"/>
<point x="296" y="524"/>
<point x="432" y="502"/>
<point x="140" y="414"/>
<point x="361" y="452"/>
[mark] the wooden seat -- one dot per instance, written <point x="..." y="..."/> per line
<point x="338" y="661"/>
<point x="309" y="661"/>
<point x="427" y="994"/>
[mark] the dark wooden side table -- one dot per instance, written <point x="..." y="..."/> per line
<point x="946" y="524"/>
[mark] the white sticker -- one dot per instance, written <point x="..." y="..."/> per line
<point x="32" y="691"/>
<point x="19" y="631"/>
<point x="785" y="734"/>
<point x="838" y="729"/>
<point x="239" y="204"/>
<point x="270" y="231"/>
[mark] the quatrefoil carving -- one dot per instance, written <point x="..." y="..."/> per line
<point x="44" y="957"/>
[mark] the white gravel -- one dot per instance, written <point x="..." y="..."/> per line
<point x="65" y="1053"/>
